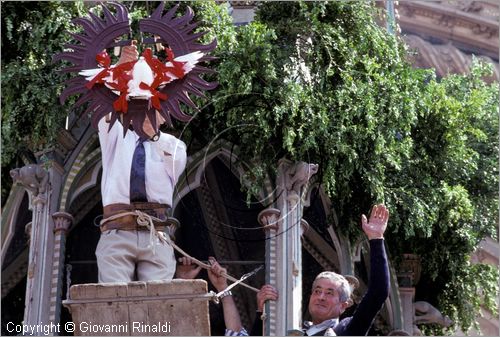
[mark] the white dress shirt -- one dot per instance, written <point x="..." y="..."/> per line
<point x="165" y="162"/>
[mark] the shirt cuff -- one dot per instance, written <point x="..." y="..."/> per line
<point x="242" y="332"/>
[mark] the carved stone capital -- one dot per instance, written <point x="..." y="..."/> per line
<point x="269" y="218"/>
<point x="298" y="175"/>
<point x="33" y="177"/>
<point x="62" y="222"/>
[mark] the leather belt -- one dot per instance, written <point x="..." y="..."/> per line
<point x="151" y="208"/>
<point x="129" y="222"/>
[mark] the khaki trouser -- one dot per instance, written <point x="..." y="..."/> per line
<point x="122" y="255"/>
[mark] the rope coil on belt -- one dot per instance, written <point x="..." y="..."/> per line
<point x="146" y="220"/>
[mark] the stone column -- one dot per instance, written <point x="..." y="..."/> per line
<point x="43" y="182"/>
<point x="62" y="222"/>
<point x="35" y="179"/>
<point x="407" y="295"/>
<point x="52" y="159"/>
<point x="408" y="277"/>
<point x="270" y="219"/>
<point x="284" y="246"/>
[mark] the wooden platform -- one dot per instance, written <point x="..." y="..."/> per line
<point x="155" y="308"/>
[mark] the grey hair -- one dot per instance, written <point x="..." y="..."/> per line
<point x="345" y="290"/>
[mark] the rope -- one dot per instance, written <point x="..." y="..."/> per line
<point x="146" y="220"/>
<point x="244" y="277"/>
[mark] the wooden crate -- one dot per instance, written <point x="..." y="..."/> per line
<point x="155" y="308"/>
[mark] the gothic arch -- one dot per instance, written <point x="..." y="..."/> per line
<point x="86" y="178"/>
<point x="10" y="214"/>
<point x="88" y="152"/>
<point x="197" y="163"/>
<point x="15" y="217"/>
<point x="212" y="176"/>
<point x="445" y="58"/>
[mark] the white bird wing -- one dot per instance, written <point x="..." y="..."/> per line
<point x="189" y="60"/>
<point x="89" y="74"/>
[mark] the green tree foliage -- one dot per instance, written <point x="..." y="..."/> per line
<point x="319" y="82"/>
<point x="322" y="82"/>
<point x="32" y="32"/>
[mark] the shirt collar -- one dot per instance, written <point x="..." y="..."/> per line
<point x="311" y="329"/>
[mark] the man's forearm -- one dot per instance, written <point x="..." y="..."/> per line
<point x="379" y="269"/>
<point x="231" y="315"/>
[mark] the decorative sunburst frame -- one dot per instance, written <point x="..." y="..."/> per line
<point x="101" y="33"/>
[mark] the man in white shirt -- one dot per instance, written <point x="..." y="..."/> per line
<point x="126" y="251"/>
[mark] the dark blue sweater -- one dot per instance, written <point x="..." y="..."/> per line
<point x="378" y="291"/>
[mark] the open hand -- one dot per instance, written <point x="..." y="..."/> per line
<point x="375" y="227"/>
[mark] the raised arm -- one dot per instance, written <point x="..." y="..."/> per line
<point x="378" y="285"/>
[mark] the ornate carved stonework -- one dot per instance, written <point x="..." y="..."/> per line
<point x="471" y="26"/>
<point x="269" y="218"/>
<point x="299" y="174"/>
<point x="482" y="8"/>
<point x="445" y="58"/>
<point x="62" y="221"/>
<point x="32" y="177"/>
